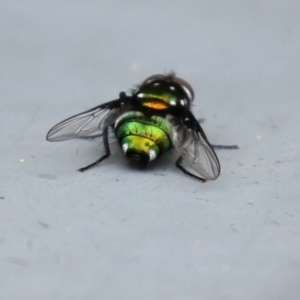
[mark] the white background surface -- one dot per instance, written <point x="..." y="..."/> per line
<point x="116" y="233"/>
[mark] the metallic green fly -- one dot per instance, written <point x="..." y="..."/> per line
<point x="152" y="119"/>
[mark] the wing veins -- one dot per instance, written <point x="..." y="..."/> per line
<point x="190" y="141"/>
<point x="92" y="121"/>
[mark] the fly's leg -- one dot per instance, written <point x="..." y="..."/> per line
<point x="91" y="137"/>
<point x="106" y="155"/>
<point x="225" y="147"/>
<point x="179" y="166"/>
<point x="221" y="147"/>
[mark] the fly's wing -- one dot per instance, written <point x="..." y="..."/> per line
<point x="91" y="122"/>
<point x="197" y="156"/>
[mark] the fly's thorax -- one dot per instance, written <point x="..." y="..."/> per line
<point x="164" y="93"/>
<point x="142" y="137"/>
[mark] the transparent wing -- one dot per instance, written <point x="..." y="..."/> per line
<point x="91" y="122"/>
<point x="197" y="156"/>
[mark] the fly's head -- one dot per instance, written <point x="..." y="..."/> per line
<point x="165" y="93"/>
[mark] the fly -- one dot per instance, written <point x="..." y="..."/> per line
<point x="147" y="123"/>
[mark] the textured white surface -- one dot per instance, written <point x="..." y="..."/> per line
<point x="115" y="233"/>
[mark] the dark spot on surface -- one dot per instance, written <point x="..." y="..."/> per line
<point x="232" y="227"/>
<point x="275" y="223"/>
<point x="18" y="261"/>
<point x="47" y="176"/>
<point x="43" y="224"/>
<point x="206" y="200"/>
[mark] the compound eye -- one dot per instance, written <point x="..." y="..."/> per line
<point x="186" y="87"/>
<point x="156" y="77"/>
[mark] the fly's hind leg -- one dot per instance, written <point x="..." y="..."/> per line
<point x="220" y="147"/>
<point x="225" y="147"/>
<point x="106" y="155"/>
<point x="179" y="166"/>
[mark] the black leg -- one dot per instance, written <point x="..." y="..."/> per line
<point x="106" y="155"/>
<point x="225" y="147"/>
<point x="91" y="137"/>
<point x="220" y="147"/>
<point x="178" y="162"/>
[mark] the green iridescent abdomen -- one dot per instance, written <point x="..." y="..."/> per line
<point x="143" y="135"/>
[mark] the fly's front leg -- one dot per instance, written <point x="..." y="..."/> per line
<point x="106" y="155"/>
